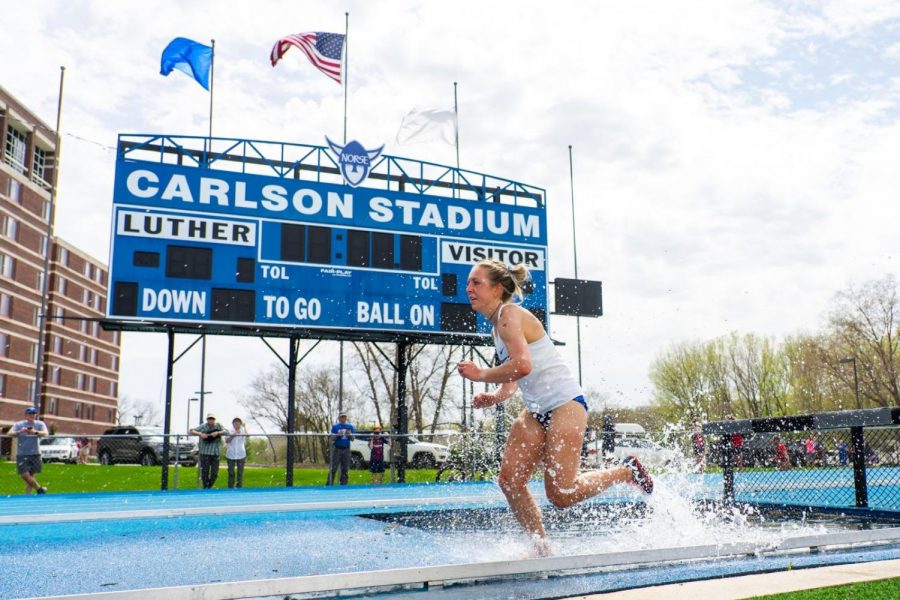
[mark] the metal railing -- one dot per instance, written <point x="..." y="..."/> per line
<point x="448" y="456"/>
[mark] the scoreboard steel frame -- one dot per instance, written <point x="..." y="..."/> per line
<point x="223" y="234"/>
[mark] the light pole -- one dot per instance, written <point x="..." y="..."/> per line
<point x="202" y="393"/>
<point x="189" y="411"/>
<point x="852" y="359"/>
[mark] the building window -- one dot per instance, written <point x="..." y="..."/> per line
<point x="30" y="392"/>
<point x="33" y="353"/>
<point x="39" y="281"/>
<point x="45" y="211"/>
<point x="63" y="257"/>
<point x="113" y="362"/>
<point x="115" y="337"/>
<point x="79" y="382"/>
<point x="82" y="351"/>
<point x="12" y="229"/>
<point x="60" y="315"/>
<point x="14" y="190"/>
<point x="113" y="388"/>
<point x="5" y="305"/>
<point x="95" y="329"/>
<point x="39" y="168"/>
<point x="88" y="270"/>
<point x="8" y="267"/>
<point x="53" y="406"/>
<point x="93" y="356"/>
<point x="57" y="344"/>
<point x="54" y="375"/>
<point x="16" y="147"/>
<point x="36" y="316"/>
<point x="85" y="296"/>
<point x="61" y="285"/>
<point x="4" y="345"/>
<point x="92" y="384"/>
<point x="2" y="384"/>
<point x="78" y="410"/>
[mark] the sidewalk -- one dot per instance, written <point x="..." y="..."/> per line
<point x="748" y="586"/>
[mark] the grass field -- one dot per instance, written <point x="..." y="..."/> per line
<point x="876" y="590"/>
<point x="62" y="478"/>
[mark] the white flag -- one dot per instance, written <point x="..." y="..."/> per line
<point x="428" y="125"/>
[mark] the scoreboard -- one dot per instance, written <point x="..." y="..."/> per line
<point x="196" y="244"/>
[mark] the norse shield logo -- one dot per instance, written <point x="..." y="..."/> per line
<point x="355" y="160"/>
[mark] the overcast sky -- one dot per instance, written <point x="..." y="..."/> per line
<point x="736" y="163"/>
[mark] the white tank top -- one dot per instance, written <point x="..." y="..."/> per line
<point x="550" y="383"/>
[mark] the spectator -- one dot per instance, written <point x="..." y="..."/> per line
<point x="210" y="449"/>
<point x="736" y="447"/>
<point x="698" y="443"/>
<point x="376" y="455"/>
<point x="782" y="461"/>
<point x="84" y="450"/>
<point x="809" y="447"/>
<point x="608" y="445"/>
<point x="843" y="454"/>
<point x="342" y="433"/>
<point x="236" y="453"/>
<point x="28" y="451"/>
<point x="870" y="455"/>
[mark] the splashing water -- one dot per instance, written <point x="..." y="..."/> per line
<point x="668" y="518"/>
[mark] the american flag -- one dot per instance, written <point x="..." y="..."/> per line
<point x="324" y="50"/>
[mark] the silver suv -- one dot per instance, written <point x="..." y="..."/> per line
<point x="143" y="445"/>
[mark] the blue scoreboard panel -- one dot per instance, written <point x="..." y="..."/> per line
<point x="196" y="245"/>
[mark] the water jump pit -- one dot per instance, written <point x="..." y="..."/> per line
<point x="454" y="540"/>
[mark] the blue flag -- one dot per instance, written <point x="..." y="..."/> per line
<point x="188" y="56"/>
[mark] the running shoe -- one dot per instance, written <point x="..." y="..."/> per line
<point x="42" y="490"/>
<point x="639" y="475"/>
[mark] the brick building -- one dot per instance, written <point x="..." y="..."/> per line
<point x="80" y="364"/>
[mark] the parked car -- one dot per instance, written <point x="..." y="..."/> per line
<point x="651" y="454"/>
<point x="420" y="455"/>
<point x="59" y="449"/>
<point x="143" y="445"/>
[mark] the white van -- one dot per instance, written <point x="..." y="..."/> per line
<point x="629" y="430"/>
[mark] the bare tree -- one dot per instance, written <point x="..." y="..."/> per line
<point x="138" y="412"/>
<point x="316" y="395"/>
<point x="428" y="381"/>
<point x="864" y="327"/>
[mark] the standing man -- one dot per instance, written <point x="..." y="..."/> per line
<point x="341" y="435"/>
<point x="210" y="434"/>
<point x="28" y="450"/>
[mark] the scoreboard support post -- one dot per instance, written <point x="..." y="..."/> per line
<point x="291" y="408"/>
<point x="170" y="367"/>
<point x="402" y="413"/>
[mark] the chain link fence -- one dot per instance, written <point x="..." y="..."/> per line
<point x="790" y="462"/>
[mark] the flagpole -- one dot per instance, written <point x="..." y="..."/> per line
<point x="346" y="85"/>
<point x="575" y="256"/>
<point x="346" y="67"/>
<point x="212" y="78"/>
<point x="456" y="129"/>
<point x="48" y="247"/>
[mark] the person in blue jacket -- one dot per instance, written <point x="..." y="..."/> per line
<point x="342" y="433"/>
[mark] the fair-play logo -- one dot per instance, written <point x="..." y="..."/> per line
<point x="355" y="160"/>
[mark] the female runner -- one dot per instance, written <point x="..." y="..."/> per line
<point x="551" y="428"/>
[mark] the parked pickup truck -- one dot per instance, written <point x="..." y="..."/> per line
<point x="421" y="455"/>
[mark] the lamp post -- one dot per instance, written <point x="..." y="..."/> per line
<point x="852" y="359"/>
<point x="189" y="411"/>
